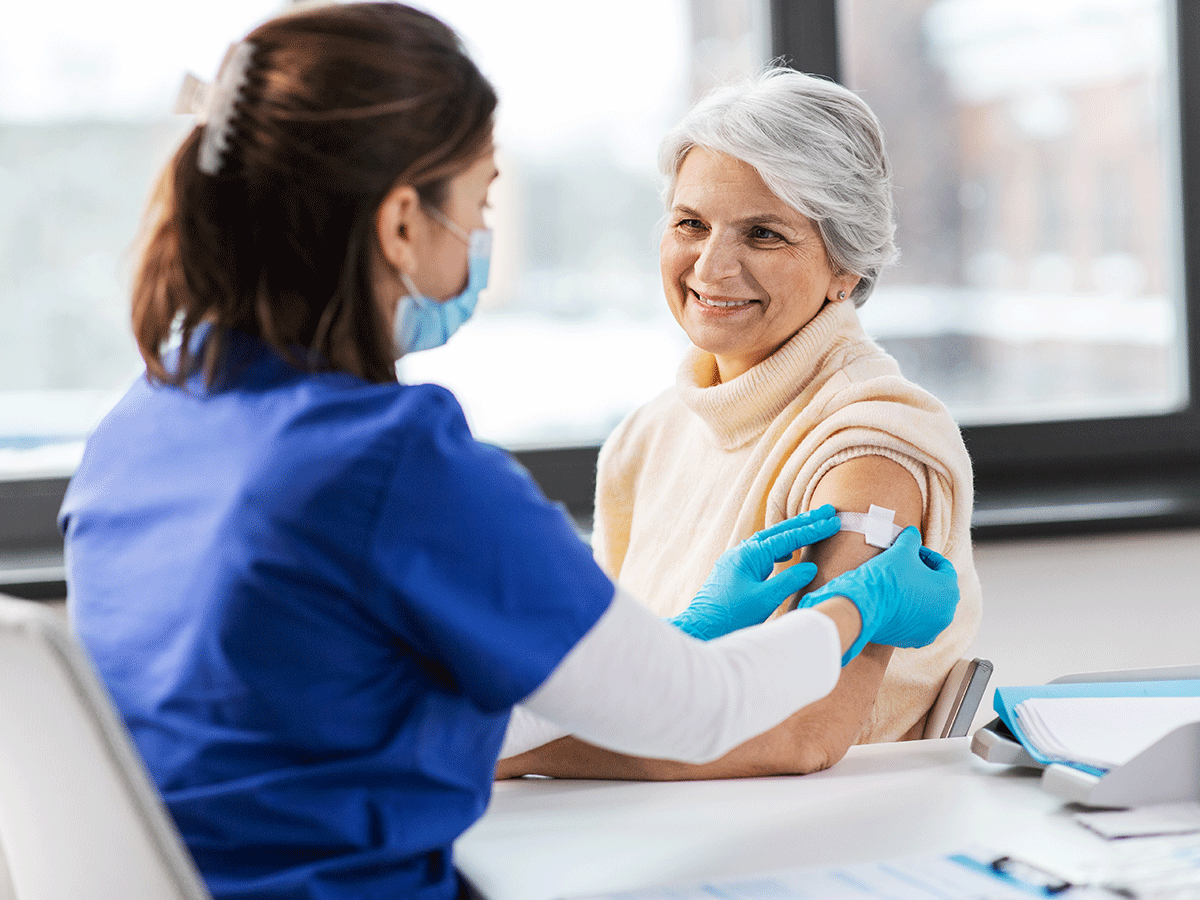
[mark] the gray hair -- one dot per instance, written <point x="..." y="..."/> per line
<point x="817" y="146"/>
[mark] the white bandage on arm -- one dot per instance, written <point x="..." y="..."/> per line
<point x="637" y="685"/>
<point x="878" y="526"/>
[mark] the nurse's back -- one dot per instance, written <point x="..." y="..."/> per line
<point x="311" y="600"/>
<point x="220" y="548"/>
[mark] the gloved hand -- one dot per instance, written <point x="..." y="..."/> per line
<point x="738" y="592"/>
<point x="906" y="595"/>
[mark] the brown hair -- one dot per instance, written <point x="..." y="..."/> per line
<point x="340" y="104"/>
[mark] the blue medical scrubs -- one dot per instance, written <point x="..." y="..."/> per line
<point x="314" y="601"/>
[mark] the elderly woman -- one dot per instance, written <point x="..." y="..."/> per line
<point x="779" y="223"/>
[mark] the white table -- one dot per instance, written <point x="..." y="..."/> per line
<point x="544" y="839"/>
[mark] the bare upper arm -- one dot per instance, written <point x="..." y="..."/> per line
<point x="854" y="486"/>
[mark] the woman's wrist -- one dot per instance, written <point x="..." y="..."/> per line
<point x="846" y="618"/>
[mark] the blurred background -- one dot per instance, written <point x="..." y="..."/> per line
<point x="1035" y="148"/>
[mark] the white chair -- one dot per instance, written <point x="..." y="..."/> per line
<point x="954" y="709"/>
<point x="79" y="816"/>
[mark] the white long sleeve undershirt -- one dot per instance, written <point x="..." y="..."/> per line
<point x="636" y="685"/>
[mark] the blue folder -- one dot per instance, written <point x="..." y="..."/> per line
<point x="1007" y="698"/>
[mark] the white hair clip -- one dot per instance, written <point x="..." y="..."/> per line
<point x="193" y="94"/>
<point x="213" y="104"/>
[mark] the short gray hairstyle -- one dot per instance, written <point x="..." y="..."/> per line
<point x="817" y="146"/>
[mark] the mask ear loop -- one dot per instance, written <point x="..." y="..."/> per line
<point x="450" y="225"/>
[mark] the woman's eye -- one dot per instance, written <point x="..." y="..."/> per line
<point x="690" y="224"/>
<point x="764" y="234"/>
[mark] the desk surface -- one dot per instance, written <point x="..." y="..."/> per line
<point x="543" y="839"/>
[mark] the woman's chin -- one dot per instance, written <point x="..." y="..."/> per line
<point x="724" y="337"/>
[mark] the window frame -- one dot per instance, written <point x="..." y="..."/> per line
<point x="31" y="551"/>
<point x="1033" y="478"/>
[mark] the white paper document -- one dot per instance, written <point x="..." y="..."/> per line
<point x="967" y="876"/>
<point x="1153" y="868"/>
<point x="1103" y="732"/>
<point x="1143" y="821"/>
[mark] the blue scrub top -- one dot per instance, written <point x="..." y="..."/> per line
<point x="314" y="601"/>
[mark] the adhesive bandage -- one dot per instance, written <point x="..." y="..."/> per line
<point x="877" y="525"/>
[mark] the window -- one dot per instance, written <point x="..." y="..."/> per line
<point x="1043" y="157"/>
<point x="86" y="92"/>
<point x="1035" y="150"/>
<point x="573" y="331"/>
<point x="85" y="126"/>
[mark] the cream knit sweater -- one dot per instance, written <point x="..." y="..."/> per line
<point x="705" y="465"/>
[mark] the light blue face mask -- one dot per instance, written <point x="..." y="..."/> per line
<point x="423" y="323"/>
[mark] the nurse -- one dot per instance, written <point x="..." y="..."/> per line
<point x="314" y="597"/>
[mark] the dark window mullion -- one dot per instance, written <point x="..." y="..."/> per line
<point x="804" y="35"/>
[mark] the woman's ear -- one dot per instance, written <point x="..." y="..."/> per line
<point x="396" y="226"/>
<point x="842" y="286"/>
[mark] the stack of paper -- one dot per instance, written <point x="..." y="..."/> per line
<point x="1096" y="726"/>
<point x="1101" y="732"/>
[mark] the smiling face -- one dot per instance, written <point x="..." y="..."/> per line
<point x="742" y="270"/>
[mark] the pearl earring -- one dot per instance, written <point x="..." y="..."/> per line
<point x="841" y="295"/>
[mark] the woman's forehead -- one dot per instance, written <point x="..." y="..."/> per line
<point x="715" y="179"/>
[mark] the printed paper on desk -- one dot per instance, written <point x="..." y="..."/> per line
<point x="1143" y="821"/>
<point x="1154" y="868"/>
<point x="953" y="877"/>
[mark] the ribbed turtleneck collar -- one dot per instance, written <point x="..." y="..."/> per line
<point x="741" y="410"/>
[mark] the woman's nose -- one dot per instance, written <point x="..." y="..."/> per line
<point x="718" y="260"/>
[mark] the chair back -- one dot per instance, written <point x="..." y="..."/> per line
<point x="954" y="709"/>
<point x="79" y="816"/>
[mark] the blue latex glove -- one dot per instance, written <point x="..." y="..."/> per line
<point x="906" y="595"/>
<point x="738" y="592"/>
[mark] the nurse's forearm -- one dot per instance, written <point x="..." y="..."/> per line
<point x="637" y="686"/>
<point x="527" y="730"/>
<point x="812" y="739"/>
